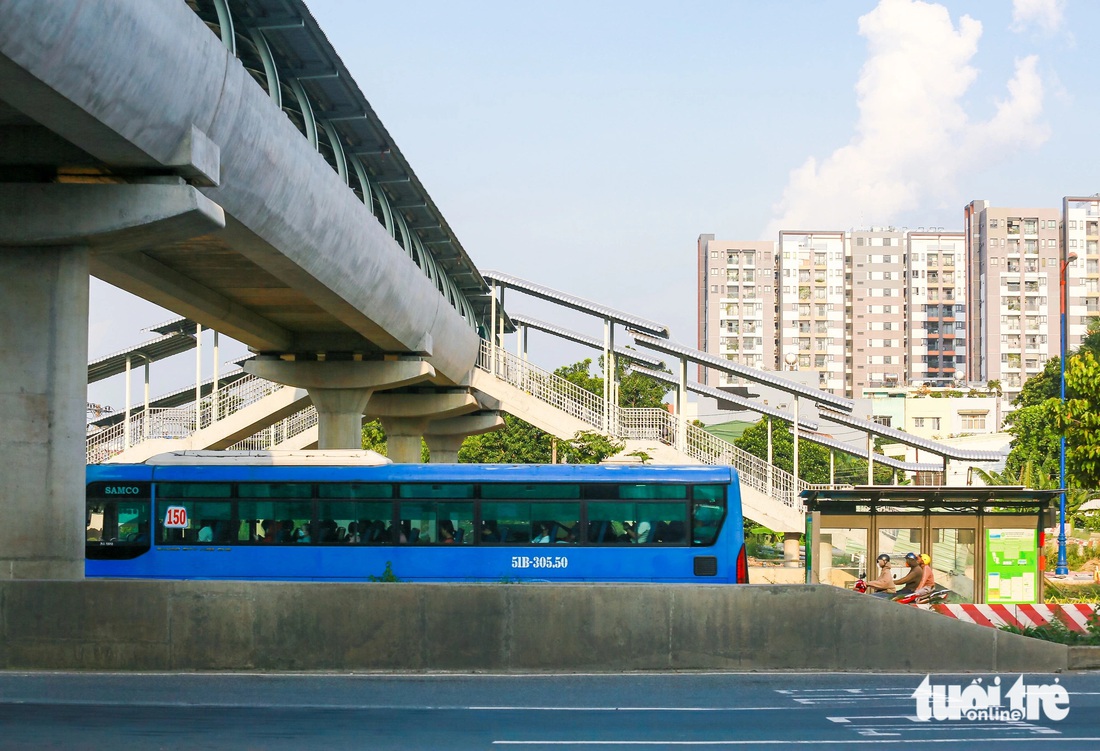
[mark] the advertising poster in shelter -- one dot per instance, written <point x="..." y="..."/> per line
<point x="1011" y="566"/>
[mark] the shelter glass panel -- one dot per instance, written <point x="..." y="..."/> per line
<point x="843" y="555"/>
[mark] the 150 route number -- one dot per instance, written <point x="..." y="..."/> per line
<point x="540" y="561"/>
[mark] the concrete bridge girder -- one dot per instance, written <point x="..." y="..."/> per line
<point x="168" y="97"/>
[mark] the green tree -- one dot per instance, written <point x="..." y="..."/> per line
<point x="813" y="460"/>
<point x="578" y="375"/>
<point x="1039" y="388"/>
<point x="1035" y="439"/>
<point x="519" y="442"/>
<point x="635" y="389"/>
<point x="374" y="439"/>
<point x="588" y="447"/>
<point x="1079" y="420"/>
<point x="1091" y="342"/>
<point x="1029" y="476"/>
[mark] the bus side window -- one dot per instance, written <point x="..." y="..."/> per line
<point x="707" y="513"/>
<point x="706" y="521"/>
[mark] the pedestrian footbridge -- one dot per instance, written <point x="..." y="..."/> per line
<point x="248" y="412"/>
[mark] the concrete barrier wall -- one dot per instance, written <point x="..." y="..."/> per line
<point x="152" y="625"/>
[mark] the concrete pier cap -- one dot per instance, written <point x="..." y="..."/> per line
<point x="445" y="437"/>
<point x="340" y="389"/>
<point x="406" y="416"/>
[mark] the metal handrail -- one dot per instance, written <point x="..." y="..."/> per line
<point x="274" y="434"/>
<point x="649" y="424"/>
<point x="177" y="422"/>
<point x="544" y="386"/>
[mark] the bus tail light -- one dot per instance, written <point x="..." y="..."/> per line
<point x="742" y="566"/>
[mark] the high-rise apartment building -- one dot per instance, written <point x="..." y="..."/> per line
<point x="839" y="305"/>
<point x="1013" y="258"/>
<point x="873" y="309"/>
<point x="737" y="302"/>
<point x="875" y="329"/>
<point x="810" y="305"/>
<point x="936" y="321"/>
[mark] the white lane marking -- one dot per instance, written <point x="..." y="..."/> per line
<point x="851" y="700"/>
<point x="384" y="707"/>
<point x="867" y="689"/>
<point x="845" y="742"/>
<point x="627" y="709"/>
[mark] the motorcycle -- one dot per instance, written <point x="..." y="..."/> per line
<point x="938" y="596"/>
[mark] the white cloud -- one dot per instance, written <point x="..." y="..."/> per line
<point x="1046" y="14"/>
<point x="913" y="137"/>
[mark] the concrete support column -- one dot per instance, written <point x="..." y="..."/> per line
<point x="406" y="416"/>
<point x="443" y="449"/>
<point x="44" y="362"/>
<point x="445" y="437"/>
<point x="791" y="557"/>
<point x="340" y="390"/>
<point x="46" y="233"/>
<point x="403" y="435"/>
<point x="340" y="416"/>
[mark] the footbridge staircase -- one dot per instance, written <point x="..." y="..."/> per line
<point x="246" y="412"/>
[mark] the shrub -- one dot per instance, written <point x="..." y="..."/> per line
<point x="1059" y="633"/>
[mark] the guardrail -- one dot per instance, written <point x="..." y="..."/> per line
<point x="641" y="424"/>
<point x="177" y="422"/>
<point x="547" y="387"/>
<point x="647" y="424"/>
<point x="285" y="429"/>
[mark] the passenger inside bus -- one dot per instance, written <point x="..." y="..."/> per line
<point x="446" y="534"/>
<point x="637" y="532"/>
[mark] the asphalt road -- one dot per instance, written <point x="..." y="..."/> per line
<point x="448" y="711"/>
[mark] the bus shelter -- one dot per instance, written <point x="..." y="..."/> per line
<point x="985" y="542"/>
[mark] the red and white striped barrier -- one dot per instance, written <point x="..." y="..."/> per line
<point x="1075" y="617"/>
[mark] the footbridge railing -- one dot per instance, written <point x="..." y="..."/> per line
<point x="177" y="422"/>
<point x="640" y="424"/>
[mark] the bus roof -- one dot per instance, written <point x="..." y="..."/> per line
<point x="273" y="458"/>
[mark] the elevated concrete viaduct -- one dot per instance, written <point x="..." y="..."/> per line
<point x="222" y="163"/>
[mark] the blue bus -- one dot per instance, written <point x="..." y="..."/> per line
<point x="354" y="516"/>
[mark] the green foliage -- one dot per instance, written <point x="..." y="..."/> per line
<point x="1040" y="388"/>
<point x="1058" y="632"/>
<point x="374" y="439"/>
<point x="522" y="443"/>
<point x="635" y="389"/>
<point x="578" y="375"/>
<point x="588" y="447"/>
<point x="1034" y="439"/>
<point x="519" y="442"/>
<point x="1079" y="420"/>
<point x="1091" y="342"/>
<point x="387" y="575"/>
<point x="1064" y="594"/>
<point x="1028" y="476"/>
<point x="813" y="460"/>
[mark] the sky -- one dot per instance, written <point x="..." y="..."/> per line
<point x="586" y="145"/>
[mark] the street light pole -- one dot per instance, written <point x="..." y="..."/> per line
<point x="1062" y="567"/>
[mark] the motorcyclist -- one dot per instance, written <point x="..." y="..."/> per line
<point x="885" y="580"/>
<point x="908" y="584"/>
<point x="928" y="577"/>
